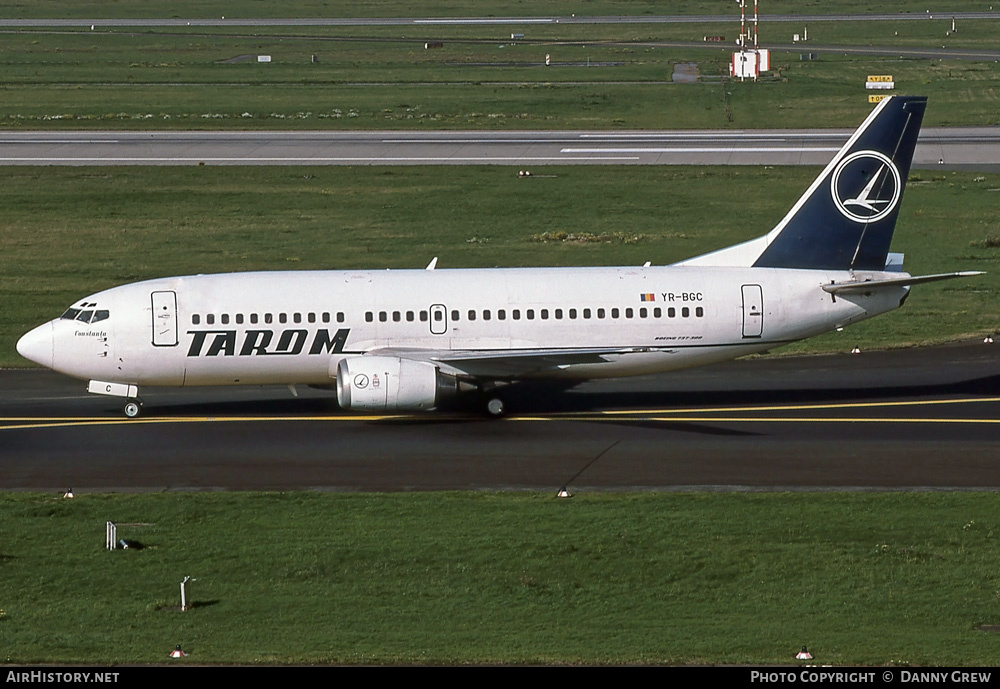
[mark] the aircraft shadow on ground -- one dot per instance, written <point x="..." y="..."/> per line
<point x="535" y="398"/>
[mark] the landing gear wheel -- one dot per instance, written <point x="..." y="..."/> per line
<point x="133" y="408"/>
<point x="495" y="407"/>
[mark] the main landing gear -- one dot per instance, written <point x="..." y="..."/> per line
<point x="495" y="407"/>
<point x="491" y="402"/>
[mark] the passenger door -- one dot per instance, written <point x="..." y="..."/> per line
<point x="164" y="319"/>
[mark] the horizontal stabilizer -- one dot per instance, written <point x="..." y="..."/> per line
<point x="871" y="285"/>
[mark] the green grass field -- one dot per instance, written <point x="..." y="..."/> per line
<point x="602" y="76"/>
<point x="528" y="97"/>
<point x="861" y="579"/>
<point x="69" y="232"/>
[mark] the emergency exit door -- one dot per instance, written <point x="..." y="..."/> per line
<point x="439" y="319"/>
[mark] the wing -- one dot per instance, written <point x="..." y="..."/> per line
<point x="504" y="364"/>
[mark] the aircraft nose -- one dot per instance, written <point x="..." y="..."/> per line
<point x="37" y="345"/>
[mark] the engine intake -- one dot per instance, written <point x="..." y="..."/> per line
<point x="388" y="382"/>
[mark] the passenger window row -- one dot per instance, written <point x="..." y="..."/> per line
<point x="267" y="318"/>
<point x="456" y="315"/>
<point x="540" y="314"/>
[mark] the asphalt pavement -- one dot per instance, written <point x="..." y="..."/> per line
<point x="899" y="419"/>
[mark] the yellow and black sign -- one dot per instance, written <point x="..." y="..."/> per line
<point x="879" y="77"/>
<point x="876" y="98"/>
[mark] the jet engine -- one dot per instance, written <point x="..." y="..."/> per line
<point x="387" y="383"/>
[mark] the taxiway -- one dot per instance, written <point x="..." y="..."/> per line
<point x="903" y="419"/>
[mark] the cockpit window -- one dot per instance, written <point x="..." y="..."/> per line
<point x="86" y="315"/>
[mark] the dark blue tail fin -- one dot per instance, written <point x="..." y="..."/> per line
<point x="845" y="219"/>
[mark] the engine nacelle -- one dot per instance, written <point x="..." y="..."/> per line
<point x="388" y="382"/>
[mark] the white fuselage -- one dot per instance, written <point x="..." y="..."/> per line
<point x="294" y="327"/>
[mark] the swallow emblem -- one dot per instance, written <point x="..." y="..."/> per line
<point x="866" y="186"/>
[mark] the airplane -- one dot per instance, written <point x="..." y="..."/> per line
<point x="394" y="340"/>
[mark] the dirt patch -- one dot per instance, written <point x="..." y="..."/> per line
<point x="238" y="58"/>
<point x="685" y="73"/>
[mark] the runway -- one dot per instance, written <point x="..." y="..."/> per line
<point x="957" y="147"/>
<point x="920" y="418"/>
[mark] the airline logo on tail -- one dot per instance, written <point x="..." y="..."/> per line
<point x="866" y="186"/>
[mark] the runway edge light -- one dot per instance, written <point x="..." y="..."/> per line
<point x="801" y="655"/>
<point x="564" y="493"/>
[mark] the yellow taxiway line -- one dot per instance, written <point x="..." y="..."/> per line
<point x="698" y="414"/>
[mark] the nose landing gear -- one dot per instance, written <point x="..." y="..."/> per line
<point x="133" y="408"/>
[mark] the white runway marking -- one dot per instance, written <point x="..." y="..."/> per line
<point x="708" y="149"/>
<point x="519" y="20"/>
<point x="717" y="135"/>
<point x="59" y="141"/>
<point x="376" y="159"/>
<point x="474" y="141"/>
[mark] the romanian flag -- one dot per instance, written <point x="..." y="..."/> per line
<point x="647" y="297"/>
